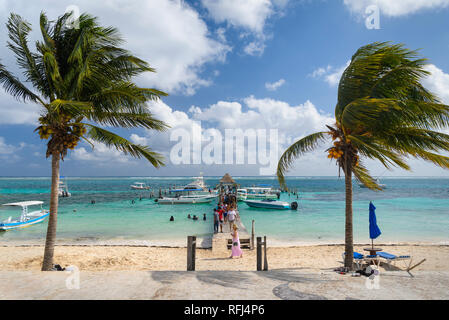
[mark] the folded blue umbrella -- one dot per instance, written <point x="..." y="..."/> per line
<point x="374" y="230"/>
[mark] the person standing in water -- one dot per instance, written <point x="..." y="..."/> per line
<point x="236" y="250"/>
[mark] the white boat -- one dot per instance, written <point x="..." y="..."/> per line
<point x="242" y="194"/>
<point x="197" y="183"/>
<point x="26" y="219"/>
<point x="261" y="193"/>
<point x="272" y="204"/>
<point x="383" y="186"/>
<point x="193" y="193"/>
<point x="63" y="190"/>
<point x="187" y="199"/>
<point x="139" y="186"/>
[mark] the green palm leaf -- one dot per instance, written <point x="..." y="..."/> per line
<point x="297" y="149"/>
<point x="112" y="140"/>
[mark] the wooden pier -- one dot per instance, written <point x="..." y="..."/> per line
<point x="223" y="241"/>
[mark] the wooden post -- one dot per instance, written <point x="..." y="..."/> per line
<point x="191" y="248"/>
<point x="259" y="253"/>
<point x="265" y="259"/>
<point x="252" y="236"/>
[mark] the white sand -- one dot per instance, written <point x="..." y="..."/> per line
<point x="113" y="258"/>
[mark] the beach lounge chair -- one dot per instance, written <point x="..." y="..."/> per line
<point x="372" y="260"/>
<point x="392" y="259"/>
<point x="358" y="259"/>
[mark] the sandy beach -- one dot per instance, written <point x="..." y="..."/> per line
<point x="140" y="258"/>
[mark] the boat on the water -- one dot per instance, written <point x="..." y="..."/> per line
<point x="242" y="194"/>
<point x="63" y="190"/>
<point x="187" y="199"/>
<point x="272" y="204"/>
<point x="383" y="186"/>
<point x="139" y="186"/>
<point x="27" y="218"/>
<point x="260" y="193"/>
<point x="197" y="183"/>
<point x="195" y="192"/>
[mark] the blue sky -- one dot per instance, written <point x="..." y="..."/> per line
<point x="231" y="64"/>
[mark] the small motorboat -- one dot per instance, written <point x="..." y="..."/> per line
<point x="139" y="186"/>
<point x="26" y="219"/>
<point x="272" y="204"/>
<point x="187" y="199"/>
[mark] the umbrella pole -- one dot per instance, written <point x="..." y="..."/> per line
<point x="372" y="244"/>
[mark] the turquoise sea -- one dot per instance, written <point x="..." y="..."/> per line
<point x="409" y="210"/>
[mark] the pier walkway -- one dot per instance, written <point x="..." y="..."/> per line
<point x="221" y="241"/>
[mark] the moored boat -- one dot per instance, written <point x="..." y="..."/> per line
<point x="260" y="193"/>
<point x="272" y="204"/>
<point x="139" y="186"/>
<point x="27" y="218"/>
<point x="63" y="190"/>
<point x="187" y="199"/>
<point x="242" y="194"/>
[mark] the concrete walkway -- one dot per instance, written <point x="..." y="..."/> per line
<point x="288" y="284"/>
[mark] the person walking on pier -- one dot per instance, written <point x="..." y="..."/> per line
<point x="236" y="250"/>
<point x="216" y="221"/>
<point x="231" y="217"/>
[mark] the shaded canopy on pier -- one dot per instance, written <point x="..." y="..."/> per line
<point x="227" y="183"/>
<point x="227" y="180"/>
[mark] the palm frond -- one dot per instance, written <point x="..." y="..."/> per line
<point x="306" y="144"/>
<point x="113" y="140"/>
<point x="15" y="87"/>
<point x="363" y="176"/>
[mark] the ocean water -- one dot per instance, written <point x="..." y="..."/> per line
<point x="409" y="210"/>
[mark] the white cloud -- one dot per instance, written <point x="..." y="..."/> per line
<point x="251" y="16"/>
<point x="248" y="14"/>
<point x="169" y="34"/>
<point x="330" y="74"/>
<point x="13" y="111"/>
<point x="100" y="154"/>
<point x="9" y="152"/>
<point x="275" y="85"/>
<point x="437" y="82"/>
<point x="395" y="8"/>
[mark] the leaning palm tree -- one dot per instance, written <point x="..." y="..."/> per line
<point x="383" y="113"/>
<point x="80" y="77"/>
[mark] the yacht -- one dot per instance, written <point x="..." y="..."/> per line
<point x="63" y="190"/>
<point x="193" y="193"/>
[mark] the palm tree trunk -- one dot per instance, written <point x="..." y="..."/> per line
<point x="47" y="265"/>
<point x="349" y="245"/>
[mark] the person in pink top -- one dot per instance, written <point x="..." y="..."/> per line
<point x="236" y="251"/>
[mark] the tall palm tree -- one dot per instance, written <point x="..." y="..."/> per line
<point x="383" y="113"/>
<point x="82" y="79"/>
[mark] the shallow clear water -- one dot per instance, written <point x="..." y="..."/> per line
<point x="414" y="210"/>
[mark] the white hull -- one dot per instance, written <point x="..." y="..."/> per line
<point x="187" y="200"/>
<point x="32" y="218"/>
<point x="140" y="188"/>
<point x="261" y="196"/>
<point x="278" y="205"/>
